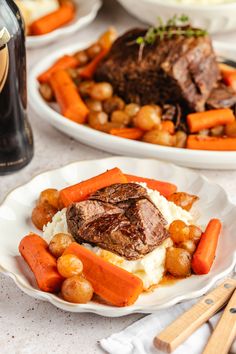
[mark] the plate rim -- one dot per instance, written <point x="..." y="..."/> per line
<point x="110" y="311"/>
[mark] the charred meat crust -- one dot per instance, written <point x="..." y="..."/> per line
<point x="119" y="192"/>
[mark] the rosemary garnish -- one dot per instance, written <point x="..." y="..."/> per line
<point x="175" y="26"/>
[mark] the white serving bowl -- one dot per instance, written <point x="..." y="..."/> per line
<point x="87" y="11"/>
<point x="214" y="18"/>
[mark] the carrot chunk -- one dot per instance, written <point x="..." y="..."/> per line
<point x="53" y="20"/>
<point x="199" y="142"/>
<point x="209" y="119"/>
<point x="164" y="188"/>
<point x="229" y="75"/>
<point x="105" y="41"/>
<point x="82" y="190"/>
<point x="204" y="256"/>
<point x="112" y="283"/>
<point x="34" y="250"/>
<point x="65" y="62"/>
<point x="88" y="70"/>
<point x="230" y="79"/>
<point x="68" y="98"/>
<point x="128" y="133"/>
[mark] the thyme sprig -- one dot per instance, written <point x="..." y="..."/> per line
<point x="175" y="26"/>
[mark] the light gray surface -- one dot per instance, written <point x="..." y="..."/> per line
<point x="29" y="326"/>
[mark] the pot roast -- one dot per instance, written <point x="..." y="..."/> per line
<point x="176" y="70"/>
<point x="119" y="218"/>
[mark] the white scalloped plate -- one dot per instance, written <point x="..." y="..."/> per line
<point x="222" y="160"/>
<point x="15" y="223"/>
<point x="86" y="13"/>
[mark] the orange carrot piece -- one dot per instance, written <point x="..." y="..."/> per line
<point x="65" y="62"/>
<point x="168" y="126"/>
<point x="107" y="38"/>
<point x="209" y="119"/>
<point x="88" y="70"/>
<point x="34" y="250"/>
<point x="68" y="98"/>
<point x="82" y="190"/>
<point x="164" y="188"/>
<point x="128" y="133"/>
<point x="226" y="68"/>
<point x="204" y="256"/>
<point x="229" y="78"/>
<point x="199" y="142"/>
<point x="113" y="284"/>
<point x="53" y="20"/>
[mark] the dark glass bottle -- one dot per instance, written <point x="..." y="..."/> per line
<point x="16" y="140"/>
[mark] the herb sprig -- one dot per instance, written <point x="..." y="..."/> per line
<point x="175" y="26"/>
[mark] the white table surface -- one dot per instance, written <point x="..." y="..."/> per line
<point x="29" y="326"/>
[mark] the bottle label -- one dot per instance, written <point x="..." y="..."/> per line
<point x="4" y="56"/>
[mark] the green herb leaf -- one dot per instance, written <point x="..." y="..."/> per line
<point x="175" y="26"/>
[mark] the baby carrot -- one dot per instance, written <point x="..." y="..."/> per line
<point x="128" y="133"/>
<point x="82" y="190"/>
<point x="204" y="256"/>
<point x="164" y="188"/>
<point x="229" y="78"/>
<point x="209" y="119"/>
<point x="53" y="20"/>
<point x="226" y="68"/>
<point x="65" y="62"/>
<point x="34" y="250"/>
<point x="228" y="74"/>
<point x="67" y="96"/>
<point x="112" y="283"/>
<point x="105" y="40"/>
<point x="199" y="142"/>
<point x="88" y="70"/>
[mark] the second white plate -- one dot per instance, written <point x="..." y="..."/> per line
<point x="15" y="223"/>
<point x="191" y="158"/>
<point x="86" y="13"/>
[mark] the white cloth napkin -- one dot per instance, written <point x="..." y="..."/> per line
<point x="138" y="338"/>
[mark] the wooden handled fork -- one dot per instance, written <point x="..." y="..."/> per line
<point x="171" y="337"/>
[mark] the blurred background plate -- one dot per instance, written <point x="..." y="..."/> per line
<point x="213" y="17"/>
<point x="86" y="13"/>
<point x="221" y="160"/>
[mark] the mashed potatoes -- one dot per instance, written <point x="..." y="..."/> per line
<point x="149" y="268"/>
<point x="34" y="9"/>
<point x="169" y="210"/>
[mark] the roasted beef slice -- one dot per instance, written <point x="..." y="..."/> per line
<point x="86" y="211"/>
<point x="177" y="70"/>
<point x="125" y="222"/>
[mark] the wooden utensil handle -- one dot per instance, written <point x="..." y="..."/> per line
<point x="225" y="331"/>
<point x="187" y="323"/>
